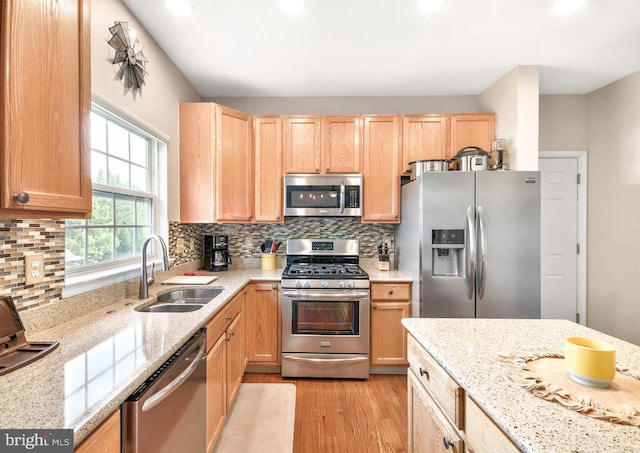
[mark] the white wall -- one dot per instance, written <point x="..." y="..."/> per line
<point x="353" y="105"/>
<point x="563" y="122"/>
<point x="515" y="99"/>
<point x="157" y="103"/>
<point x="613" y="301"/>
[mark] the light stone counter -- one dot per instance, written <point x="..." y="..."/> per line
<point x="390" y="276"/>
<point x="103" y="357"/>
<point x="469" y="348"/>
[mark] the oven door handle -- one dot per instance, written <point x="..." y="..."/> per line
<point x="319" y="296"/>
<point x="315" y="360"/>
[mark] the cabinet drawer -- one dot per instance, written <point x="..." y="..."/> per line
<point x="482" y="433"/>
<point x="220" y="322"/>
<point x="448" y="394"/>
<point x="390" y="291"/>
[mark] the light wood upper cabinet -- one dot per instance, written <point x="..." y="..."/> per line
<point x="45" y="103"/>
<point x="424" y="137"/>
<point x="268" y="169"/>
<point x="322" y="144"/>
<point x="381" y="169"/>
<point x="216" y="164"/>
<point x="342" y="149"/>
<point x="234" y="166"/>
<point x="472" y="130"/>
<point x="302" y="144"/>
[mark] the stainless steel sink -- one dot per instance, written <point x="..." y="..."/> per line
<point x="182" y="300"/>
<point x="190" y="295"/>
<point x="170" y="308"/>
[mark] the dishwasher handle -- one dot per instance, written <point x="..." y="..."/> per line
<point x="163" y="393"/>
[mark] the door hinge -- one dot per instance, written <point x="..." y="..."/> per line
<point x="578" y="178"/>
<point x="577" y="318"/>
<point x="578" y="248"/>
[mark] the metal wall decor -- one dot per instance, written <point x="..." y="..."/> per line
<point x="128" y="55"/>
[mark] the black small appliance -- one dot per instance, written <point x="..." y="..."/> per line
<point x="216" y="253"/>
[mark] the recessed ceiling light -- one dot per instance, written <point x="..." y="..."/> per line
<point x="180" y="8"/>
<point x="430" y="5"/>
<point x="291" y="6"/>
<point x="567" y="6"/>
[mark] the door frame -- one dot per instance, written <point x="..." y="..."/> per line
<point x="581" y="277"/>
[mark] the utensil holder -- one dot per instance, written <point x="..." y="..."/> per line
<point x="268" y="261"/>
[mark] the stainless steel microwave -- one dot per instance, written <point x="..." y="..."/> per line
<point x="323" y="195"/>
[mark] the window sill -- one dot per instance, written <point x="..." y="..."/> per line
<point x="83" y="282"/>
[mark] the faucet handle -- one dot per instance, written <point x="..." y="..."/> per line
<point x="151" y="278"/>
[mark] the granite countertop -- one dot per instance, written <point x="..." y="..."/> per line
<point x="103" y="357"/>
<point x="469" y="348"/>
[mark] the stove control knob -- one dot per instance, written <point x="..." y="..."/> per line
<point x="352" y="284"/>
<point x="298" y="284"/>
<point x="307" y="284"/>
<point x="324" y="283"/>
<point x="342" y="284"/>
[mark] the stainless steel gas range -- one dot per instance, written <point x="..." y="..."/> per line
<point x="325" y="310"/>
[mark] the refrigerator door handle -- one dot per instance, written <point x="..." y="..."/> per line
<point x="482" y="253"/>
<point x="471" y="253"/>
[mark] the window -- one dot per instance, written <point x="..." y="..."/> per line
<point x="124" y="162"/>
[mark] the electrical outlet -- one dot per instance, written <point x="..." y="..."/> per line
<point x="192" y="245"/>
<point x="180" y="246"/>
<point x="248" y="242"/>
<point x="33" y="269"/>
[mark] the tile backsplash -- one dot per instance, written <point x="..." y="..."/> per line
<point x="24" y="237"/>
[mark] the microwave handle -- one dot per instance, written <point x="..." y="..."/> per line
<point x="342" y="196"/>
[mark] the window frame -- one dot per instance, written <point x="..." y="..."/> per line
<point x="94" y="276"/>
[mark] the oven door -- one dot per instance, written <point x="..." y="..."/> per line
<point x="325" y="321"/>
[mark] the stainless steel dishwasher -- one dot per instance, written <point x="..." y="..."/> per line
<point x="166" y="414"/>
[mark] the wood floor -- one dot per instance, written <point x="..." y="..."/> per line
<point x="347" y="416"/>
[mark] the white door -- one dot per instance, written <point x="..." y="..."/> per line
<point x="559" y="238"/>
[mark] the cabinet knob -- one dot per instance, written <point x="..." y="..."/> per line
<point x="375" y="307"/>
<point x="22" y="197"/>
<point x="447" y="443"/>
<point x="390" y="291"/>
<point x="228" y="317"/>
<point x="424" y="372"/>
<point x="277" y="217"/>
<point x="274" y="287"/>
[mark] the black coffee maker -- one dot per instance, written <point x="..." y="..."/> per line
<point x="216" y="253"/>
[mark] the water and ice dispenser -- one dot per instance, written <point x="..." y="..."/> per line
<point x="448" y="253"/>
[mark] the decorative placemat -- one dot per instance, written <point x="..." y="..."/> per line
<point x="542" y="372"/>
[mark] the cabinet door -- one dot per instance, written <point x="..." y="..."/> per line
<point x="302" y="144"/>
<point x="472" y="130"/>
<point x="45" y="103"/>
<point x="341" y="144"/>
<point x="262" y="323"/>
<point x="235" y="359"/>
<point x="216" y="404"/>
<point x="381" y="172"/>
<point x="268" y="169"/>
<point x="104" y="439"/>
<point x="388" y="336"/>
<point x="234" y="166"/>
<point x="197" y="161"/>
<point x="424" y="137"/>
<point x="429" y="429"/>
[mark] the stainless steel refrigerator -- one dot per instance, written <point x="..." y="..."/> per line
<point x="471" y="242"/>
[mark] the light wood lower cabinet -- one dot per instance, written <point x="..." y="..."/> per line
<point x="225" y="365"/>
<point x="390" y="302"/>
<point x="104" y="439"/>
<point x="441" y="416"/>
<point x="262" y="323"/>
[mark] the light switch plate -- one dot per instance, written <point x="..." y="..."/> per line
<point x="33" y="269"/>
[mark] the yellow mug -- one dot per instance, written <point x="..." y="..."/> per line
<point x="589" y="361"/>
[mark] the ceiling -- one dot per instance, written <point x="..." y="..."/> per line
<point x="249" y="48"/>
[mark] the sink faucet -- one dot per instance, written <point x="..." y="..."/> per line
<point x="145" y="281"/>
